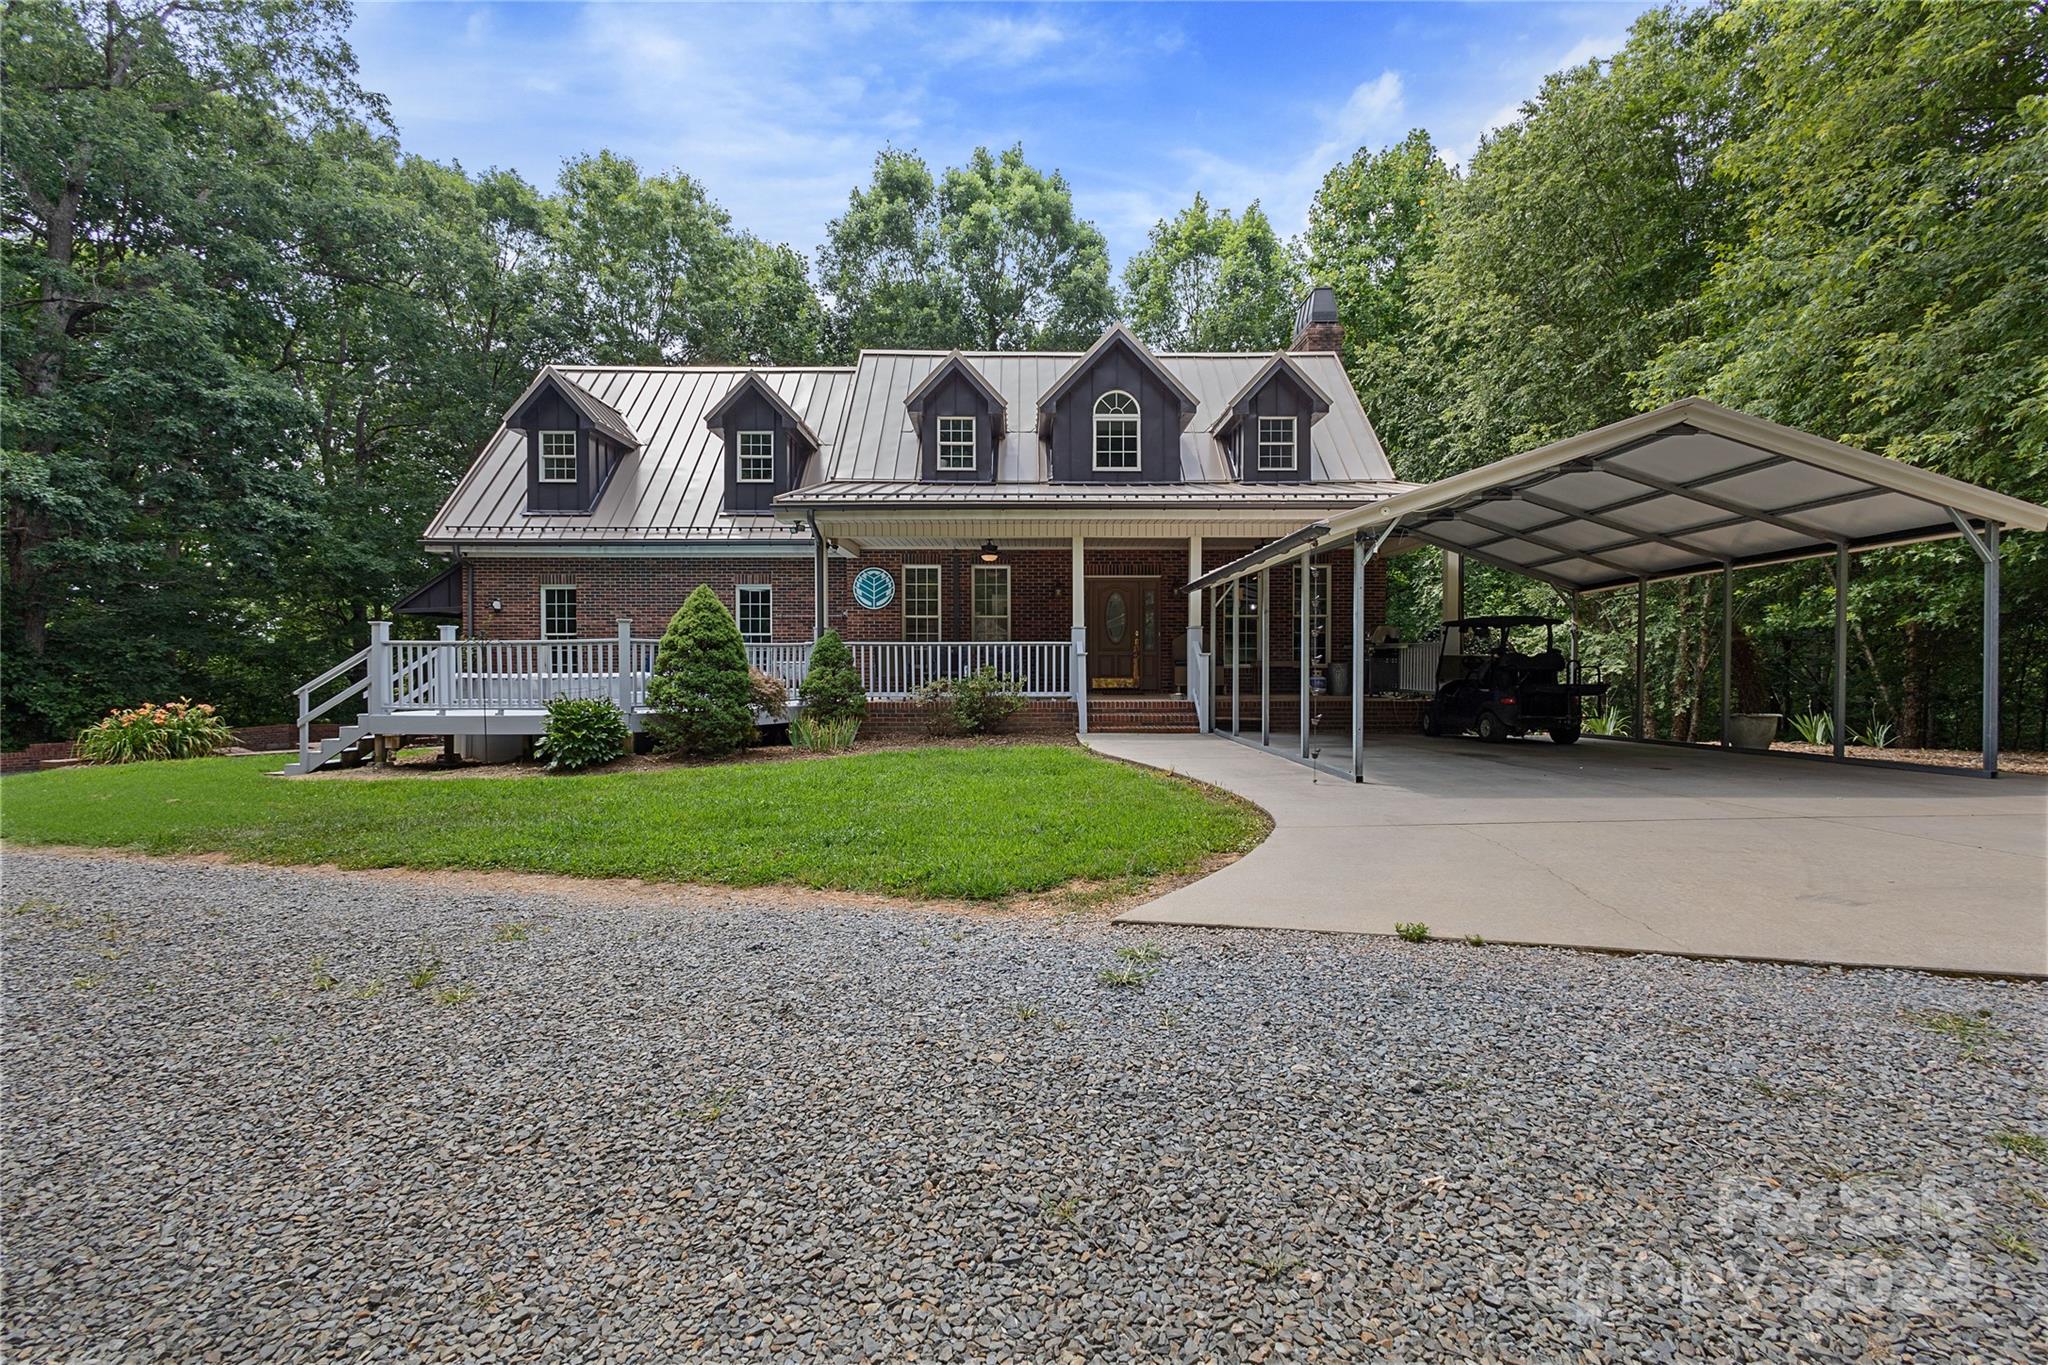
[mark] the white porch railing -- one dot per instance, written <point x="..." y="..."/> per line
<point x="896" y="669"/>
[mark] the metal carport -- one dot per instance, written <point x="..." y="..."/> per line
<point x="1690" y="488"/>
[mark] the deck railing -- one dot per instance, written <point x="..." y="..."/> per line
<point x="451" y="674"/>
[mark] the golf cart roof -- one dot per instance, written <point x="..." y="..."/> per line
<point x="1506" y="622"/>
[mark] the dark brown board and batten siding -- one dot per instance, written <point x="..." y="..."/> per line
<point x="751" y="411"/>
<point x="956" y="396"/>
<point x="597" y="456"/>
<point x="1279" y="396"/>
<point x="1159" y="425"/>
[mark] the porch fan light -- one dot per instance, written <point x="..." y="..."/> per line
<point x="988" y="552"/>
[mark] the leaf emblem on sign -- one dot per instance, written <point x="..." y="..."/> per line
<point x="874" y="588"/>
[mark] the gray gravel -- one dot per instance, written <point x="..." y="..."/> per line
<point x="687" y="1130"/>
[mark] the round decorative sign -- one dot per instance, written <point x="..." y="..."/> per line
<point x="874" y="588"/>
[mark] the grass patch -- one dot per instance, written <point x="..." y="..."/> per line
<point x="2023" y="1144"/>
<point x="1123" y="978"/>
<point x="2015" y="1244"/>
<point x="968" y="823"/>
<point x="1971" y="1033"/>
<point x="1143" y="954"/>
<point x="1412" y="931"/>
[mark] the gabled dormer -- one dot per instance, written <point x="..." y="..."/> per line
<point x="1115" y="416"/>
<point x="1265" y="427"/>
<point x="574" y="443"/>
<point x="960" y="419"/>
<point x="766" y="443"/>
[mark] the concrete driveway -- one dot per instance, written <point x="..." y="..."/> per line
<point x="1636" y="847"/>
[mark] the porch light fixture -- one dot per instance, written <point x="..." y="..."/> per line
<point x="988" y="552"/>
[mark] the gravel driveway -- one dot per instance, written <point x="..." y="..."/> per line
<point x="620" y="1129"/>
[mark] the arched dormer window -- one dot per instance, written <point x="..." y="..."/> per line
<point x="1116" y="431"/>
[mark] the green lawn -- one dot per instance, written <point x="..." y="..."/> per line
<point x="980" y="823"/>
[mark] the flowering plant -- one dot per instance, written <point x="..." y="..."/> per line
<point x="175" y="729"/>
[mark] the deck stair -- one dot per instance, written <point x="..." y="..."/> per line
<point x="348" y="750"/>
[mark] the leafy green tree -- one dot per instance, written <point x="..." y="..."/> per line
<point x="832" y="689"/>
<point x="991" y="256"/>
<point x="644" y="255"/>
<point x="700" y="690"/>
<point x="1209" y="282"/>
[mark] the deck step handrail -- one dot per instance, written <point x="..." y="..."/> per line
<point x="308" y="713"/>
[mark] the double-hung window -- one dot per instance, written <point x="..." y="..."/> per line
<point x="753" y="606"/>
<point x="558" y="457"/>
<point x="757" y="457"/>
<point x="921" y="602"/>
<point x="558" y="622"/>
<point x="1276" y="444"/>
<point x="991" y="601"/>
<point x="956" y="443"/>
<point x="1116" y="431"/>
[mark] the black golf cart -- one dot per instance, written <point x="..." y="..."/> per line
<point x="1499" y="691"/>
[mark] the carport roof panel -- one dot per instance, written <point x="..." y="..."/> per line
<point x="1688" y="488"/>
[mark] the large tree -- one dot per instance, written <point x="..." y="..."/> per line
<point x="991" y="256"/>
<point x="1207" y="281"/>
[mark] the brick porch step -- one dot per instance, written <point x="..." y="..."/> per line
<point x="1147" y="715"/>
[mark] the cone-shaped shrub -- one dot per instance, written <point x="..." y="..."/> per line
<point x="832" y="689"/>
<point x="701" y="692"/>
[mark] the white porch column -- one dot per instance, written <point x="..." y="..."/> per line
<point x="1304" y="602"/>
<point x="445" y="660"/>
<point x="1361" y="657"/>
<point x="1197" y="640"/>
<point x="379" y="700"/>
<point x="1454" y="597"/>
<point x="1264" y="603"/>
<point x="1080" y="627"/>
<point x="625" y="693"/>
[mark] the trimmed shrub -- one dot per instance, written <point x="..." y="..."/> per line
<point x="769" y="694"/>
<point x="143" y="733"/>
<point x="984" y="701"/>
<point x="822" y="736"/>
<point x="701" y="691"/>
<point x="934" y="703"/>
<point x="832" y="688"/>
<point x="582" y="732"/>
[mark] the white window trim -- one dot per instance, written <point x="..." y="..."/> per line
<point x="738" y="619"/>
<point x="938" y="612"/>
<point x="1135" y="417"/>
<point x="545" y="589"/>
<point x="973" y="441"/>
<point x="545" y="477"/>
<point x="740" y="457"/>
<point x="1293" y="445"/>
<point x="974" y="603"/>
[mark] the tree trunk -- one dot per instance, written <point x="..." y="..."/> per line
<point x="1747" y="673"/>
<point x="1681" y="653"/>
<point x="1913" y="711"/>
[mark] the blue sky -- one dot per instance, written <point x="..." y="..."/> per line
<point x="779" y="109"/>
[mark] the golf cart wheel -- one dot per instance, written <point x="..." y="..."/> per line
<point x="1431" y="726"/>
<point x="1564" y="734"/>
<point x="1492" y="728"/>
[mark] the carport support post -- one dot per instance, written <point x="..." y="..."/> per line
<point x="1358" y="657"/>
<point x="1304" y="602"/>
<point x="1262" y="604"/>
<point x="1727" y="646"/>
<point x="1642" y="678"/>
<point x="1991" y="710"/>
<point x="1841" y="707"/>
<point x="1236" y="656"/>
<point x="1078" y="618"/>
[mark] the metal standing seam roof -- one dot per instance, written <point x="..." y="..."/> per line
<point x="671" y="488"/>
<point x="878" y="445"/>
<point x="1689" y="488"/>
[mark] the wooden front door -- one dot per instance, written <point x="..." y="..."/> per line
<point x="1123" y="633"/>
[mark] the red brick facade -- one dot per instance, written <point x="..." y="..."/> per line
<point x="649" y="590"/>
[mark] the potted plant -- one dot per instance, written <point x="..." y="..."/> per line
<point x="1753" y="729"/>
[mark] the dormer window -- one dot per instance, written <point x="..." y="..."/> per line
<point x="1276" y="444"/>
<point x="558" y="457"/>
<point x="1116" y="431"/>
<point x="757" y="457"/>
<point x="956" y="443"/>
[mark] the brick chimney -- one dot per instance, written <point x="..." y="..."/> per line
<point x="1315" y="322"/>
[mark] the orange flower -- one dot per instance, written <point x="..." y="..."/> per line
<point x="160" y="717"/>
<point x="206" y="708"/>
